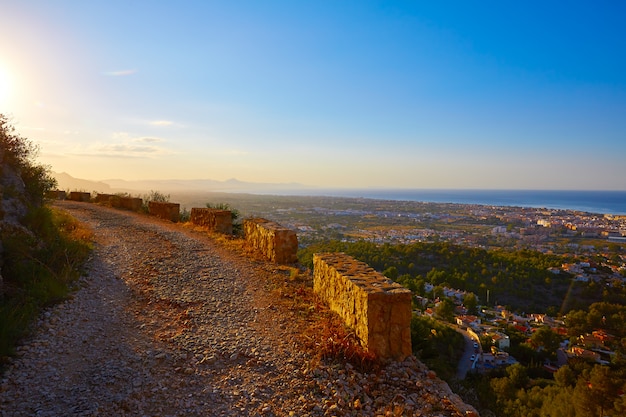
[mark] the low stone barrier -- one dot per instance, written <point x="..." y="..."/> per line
<point x="130" y="203"/>
<point x="80" y="196"/>
<point x="56" y="195"/>
<point x="118" y="201"/>
<point x="104" y="198"/>
<point x="274" y="241"/>
<point x="165" y="211"/>
<point x="378" y="309"/>
<point x="215" y="220"/>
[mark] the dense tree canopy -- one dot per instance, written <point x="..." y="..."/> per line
<point x="514" y="278"/>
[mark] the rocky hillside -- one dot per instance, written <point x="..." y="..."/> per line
<point x="14" y="198"/>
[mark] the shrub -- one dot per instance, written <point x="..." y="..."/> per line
<point x="38" y="269"/>
<point x="155" y="196"/>
<point x="19" y="153"/>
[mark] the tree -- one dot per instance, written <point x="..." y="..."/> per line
<point x="565" y="377"/>
<point x="445" y="309"/>
<point x="471" y="302"/>
<point x="545" y="338"/>
<point x="391" y="272"/>
<point x="19" y="153"/>
<point x="595" y="392"/>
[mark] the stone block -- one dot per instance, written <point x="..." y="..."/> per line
<point x="378" y="309"/>
<point x="215" y="220"/>
<point x="130" y="203"/>
<point x="80" y="196"/>
<point x="274" y="241"/>
<point x="104" y="198"/>
<point x="56" y="195"/>
<point x="165" y="211"/>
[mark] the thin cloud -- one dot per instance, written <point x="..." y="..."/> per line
<point x="129" y="149"/>
<point x="161" y="123"/>
<point x="148" y="140"/>
<point x="126" y="146"/>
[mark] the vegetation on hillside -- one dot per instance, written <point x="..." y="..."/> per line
<point x="513" y="278"/>
<point x="43" y="254"/>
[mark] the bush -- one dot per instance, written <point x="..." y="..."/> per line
<point x="437" y="345"/>
<point x="38" y="269"/>
<point x="155" y="196"/>
<point x="19" y="153"/>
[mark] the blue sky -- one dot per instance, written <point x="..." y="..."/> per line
<point x="327" y="93"/>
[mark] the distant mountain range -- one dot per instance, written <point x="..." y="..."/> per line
<point x="67" y="182"/>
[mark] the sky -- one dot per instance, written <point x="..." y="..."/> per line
<point x="401" y="94"/>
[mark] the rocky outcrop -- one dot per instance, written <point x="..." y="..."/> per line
<point x="275" y="242"/>
<point x="215" y="220"/>
<point x="13" y="204"/>
<point x="378" y="309"/>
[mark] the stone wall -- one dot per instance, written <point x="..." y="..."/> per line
<point x="104" y="198"/>
<point x="378" y="309"/>
<point x="80" y="196"/>
<point x="165" y="211"/>
<point x="56" y="195"/>
<point x="117" y="201"/>
<point x="128" y="203"/>
<point x="274" y="241"/>
<point x="220" y="221"/>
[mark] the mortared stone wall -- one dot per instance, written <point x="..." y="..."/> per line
<point x="80" y="196"/>
<point x="378" y="309"/>
<point x="215" y="220"/>
<point x="117" y="201"/>
<point x="165" y="211"/>
<point x="275" y="242"/>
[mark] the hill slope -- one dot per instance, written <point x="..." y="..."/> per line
<point x="168" y="322"/>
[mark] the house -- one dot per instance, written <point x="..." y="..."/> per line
<point x="501" y="340"/>
<point x="603" y="336"/>
<point x="468" y="321"/>
<point x="591" y="341"/>
<point x="581" y="352"/>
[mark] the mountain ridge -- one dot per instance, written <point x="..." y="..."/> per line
<point x="66" y="181"/>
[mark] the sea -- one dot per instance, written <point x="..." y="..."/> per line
<point x="601" y="202"/>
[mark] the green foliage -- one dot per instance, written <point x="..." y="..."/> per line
<point x="437" y="345"/>
<point x="19" y="153"/>
<point x="578" y="389"/>
<point x="471" y="303"/>
<point x="547" y="340"/>
<point x="515" y="278"/>
<point x="38" y="269"/>
<point x="445" y="310"/>
<point x="185" y="215"/>
<point x="157" y="197"/>
<point x="225" y="206"/>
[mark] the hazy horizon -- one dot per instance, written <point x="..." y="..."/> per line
<point x="346" y="95"/>
<point x="295" y="186"/>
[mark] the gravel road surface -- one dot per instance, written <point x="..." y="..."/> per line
<point x="168" y="322"/>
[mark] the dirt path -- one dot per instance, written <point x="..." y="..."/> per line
<point x="169" y="323"/>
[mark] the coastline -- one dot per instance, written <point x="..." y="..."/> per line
<point x="589" y="201"/>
